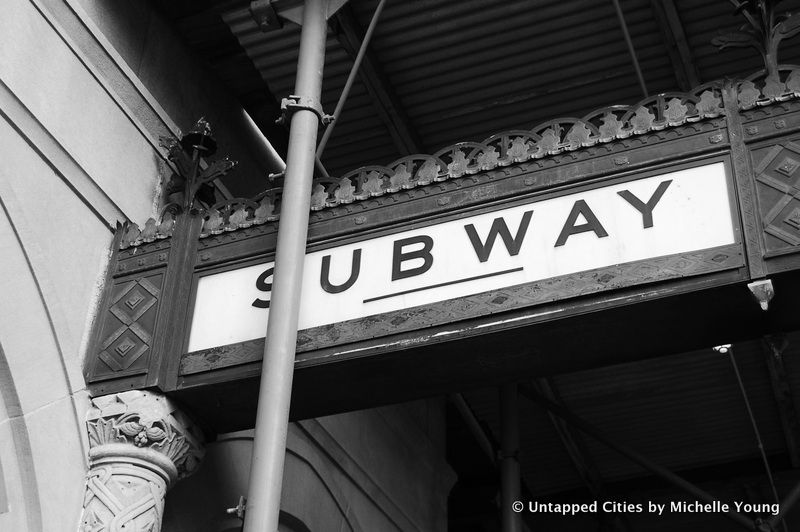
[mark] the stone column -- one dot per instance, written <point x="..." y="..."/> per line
<point x="140" y="444"/>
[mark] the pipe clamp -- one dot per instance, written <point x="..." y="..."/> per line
<point x="296" y="103"/>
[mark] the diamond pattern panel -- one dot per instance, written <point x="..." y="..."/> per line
<point x="128" y="329"/>
<point x="778" y="185"/>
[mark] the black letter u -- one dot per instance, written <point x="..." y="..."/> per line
<point x="324" y="275"/>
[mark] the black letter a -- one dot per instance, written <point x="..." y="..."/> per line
<point x="592" y="223"/>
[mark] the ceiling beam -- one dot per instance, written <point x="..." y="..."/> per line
<point x="774" y="346"/>
<point x="680" y="53"/>
<point x="387" y="104"/>
<point x="578" y="452"/>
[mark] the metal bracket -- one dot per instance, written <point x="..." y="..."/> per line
<point x="763" y="292"/>
<point x="239" y="509"/>
<point x="296" y="103"/>
<point x="264" y="14"/>
<point x="502" y="456"/>
<point x="292" y="10"/>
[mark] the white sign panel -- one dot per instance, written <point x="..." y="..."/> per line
<point x="678" y="212"/>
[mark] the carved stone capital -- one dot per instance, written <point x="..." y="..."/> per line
<point x="139" y="445"/>
<point x="145" y="423"/>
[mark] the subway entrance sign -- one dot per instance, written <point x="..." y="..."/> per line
<point x="541" y="239"/>
<point x="532" y="253"/>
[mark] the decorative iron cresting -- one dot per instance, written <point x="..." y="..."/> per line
<point x="517" y="146"/>
<point x="190" y="188"/>
<point x="505" y="149"/>
<point x="764" y="30"/>
<point x="616" y="122"/>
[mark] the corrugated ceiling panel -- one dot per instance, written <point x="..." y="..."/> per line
<point x="464" y="70"/>
<point x="683" y="411"/>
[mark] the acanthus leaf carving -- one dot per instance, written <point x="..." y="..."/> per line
<point x="748" y="95"/>
<point x="319" y="197"/>
<point x="675" y="112"/>
<point x="610" y="128"/>
<point x="458" y="166"/>
<point x="642" y="120"/>
<point x="488" y="158"/>
<point x="373" y="184"/>
<point x="579" y="135"/>
<point x="140" y="444"/>
<point x="400" y="179"/>
<point x="428" y="172"/>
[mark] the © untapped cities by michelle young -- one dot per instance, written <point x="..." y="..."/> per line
<point x="652" y="507"/>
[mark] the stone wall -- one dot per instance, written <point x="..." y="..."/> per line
<point x="79" y="134"/>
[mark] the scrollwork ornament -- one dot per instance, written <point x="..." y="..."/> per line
<point x="579" y="136"/>
<point x="518" y="151"/>
<point x="548" y="144"/>
<point x="488" y="158"/>
<point x="345" y="193"/>
<point x="793" y="82"/>
<point x="748" y="95"/>
<point x="458" y="166"/>
<point x="428" y="172"/>
<point x="675" y="112"/>
<point x="319" y="197"/>
<point x="710" y="105"/>
<point x="374" y="184"/>
<point x="642" y="120"/>
<point x="610" y="128"/>
<point x="764" y="29"/>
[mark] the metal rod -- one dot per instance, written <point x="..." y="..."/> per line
<point x="350" y="79"/>
<point x="321" y="170"/>
<point x="509" y="458"/>
<point x="759" y="441"/>
<point x="788" y="503"/>
<point x="272" y="417"/>
<point x="631" y="49"/>
<point x="474" y="427"/>
<point x="635" y="457"/>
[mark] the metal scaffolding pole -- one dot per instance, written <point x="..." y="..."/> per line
<point x="269" y="446"/>
<point x="509" y="458"/>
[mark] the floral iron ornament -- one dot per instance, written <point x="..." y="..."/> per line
<point x="764" y="31"/>
<point x="194" y="173"/>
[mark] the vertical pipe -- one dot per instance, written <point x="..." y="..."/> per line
<point x="756" y="432"/>
<point x="269" y="446"/>
<point x="509" y="462"/>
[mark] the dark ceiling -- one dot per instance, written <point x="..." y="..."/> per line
<point x="443" y="71"/>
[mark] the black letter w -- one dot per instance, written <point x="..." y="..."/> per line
<point x="499" y="227"/>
